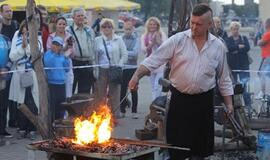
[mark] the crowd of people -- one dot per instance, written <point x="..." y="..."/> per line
<point x="64" y="48"/>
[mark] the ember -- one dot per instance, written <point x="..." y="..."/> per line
<point x="112" y="147"/>
<point x="96" y="129"/>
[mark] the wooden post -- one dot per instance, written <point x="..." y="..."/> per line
<point x="32" y="19"/>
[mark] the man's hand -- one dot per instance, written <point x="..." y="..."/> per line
<point x="230" y="109"/>
<point x="133" y="83"/>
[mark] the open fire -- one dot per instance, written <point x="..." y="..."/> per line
<point x="95" y="129"/>
<point x="93" y="139"/>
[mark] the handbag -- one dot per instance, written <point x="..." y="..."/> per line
<point x="115" y="73"/>
<point x="26" y="79"/>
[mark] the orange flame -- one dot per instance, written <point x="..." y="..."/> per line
<point x="97" y="128"/>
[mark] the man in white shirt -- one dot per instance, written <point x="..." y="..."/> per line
<point x="197" y="58"/>
<point x="84" y="54"/>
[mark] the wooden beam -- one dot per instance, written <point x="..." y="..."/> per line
<point x="32" y="20"/>
<point x="34" y="119"/>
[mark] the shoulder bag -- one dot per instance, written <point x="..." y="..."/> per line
<point x="115" y="73"/>
<point x="26" y="77"/>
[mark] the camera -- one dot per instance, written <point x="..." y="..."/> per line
<point x="70" y="41"/>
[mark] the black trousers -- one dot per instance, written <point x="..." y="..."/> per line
<point x="190" y="124"/>
<point x="83" y="77"/>
<point x="127" y="75"/>
<point x="24" y="123"/>
<point x="3" y="109"/>
<point x="57" y="96"/>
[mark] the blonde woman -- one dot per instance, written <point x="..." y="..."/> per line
<point x="109" y="44"/>
<point x="150" y="41"/>
<point x="237" y="57"/>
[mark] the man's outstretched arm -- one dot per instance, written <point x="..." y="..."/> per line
<point x="139" y="73"/>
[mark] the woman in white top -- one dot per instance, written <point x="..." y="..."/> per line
<point x="68" y="49"/>
<point x="117" y="53"/>
<point x="20" y="92"/>
<point x="150" y="41"/>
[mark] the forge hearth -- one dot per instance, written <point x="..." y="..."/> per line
<point x="117" y="149"/>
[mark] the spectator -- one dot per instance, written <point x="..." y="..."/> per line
<point x="68" y="49"/>
<point x="84" y="53"/>
<point x="9" y="26"/>
<point x="8" y="29"/>
<point x="238" y="47"/>
<point x="109" y="44"/>
<point x="264" y="43"/>
<point x="20" y="55"/>
<point x="96" y="25"/>
<point x="150" y="41"/>
<point x="218" y="28"/>
<point x="52" y="23"/>
<point x="133" y="47"/>
<point x="4" y="66"/>
<point x="55" y="58"/>
<point x="43" y="25"/>
<point x="259" y="30"/>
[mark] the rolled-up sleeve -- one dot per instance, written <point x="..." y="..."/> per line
<point x="224" y="80"/>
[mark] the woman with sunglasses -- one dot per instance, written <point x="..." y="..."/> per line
<point x="111" y="51"/>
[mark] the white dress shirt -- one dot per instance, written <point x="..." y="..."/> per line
<point x="193" y="71"/>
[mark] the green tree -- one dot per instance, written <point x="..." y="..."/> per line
<point x="157" y="8"/>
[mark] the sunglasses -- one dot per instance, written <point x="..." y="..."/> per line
<point x="106" y="26"/>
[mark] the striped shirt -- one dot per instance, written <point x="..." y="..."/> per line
<point x="193" y="71"/>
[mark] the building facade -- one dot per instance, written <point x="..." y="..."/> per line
<point x="264" y="11"/>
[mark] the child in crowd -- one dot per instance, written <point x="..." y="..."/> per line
<point x="55" y="59"/>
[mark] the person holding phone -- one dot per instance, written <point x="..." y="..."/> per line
<point x="20" y="55"/>
<point x="68" y="49"/>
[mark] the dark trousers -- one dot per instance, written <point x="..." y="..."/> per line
<point x="24" y="123"/>
<point x="190" y="124"/>
<point x="127" y="75"/>
<point x="57" y="96"/>
<point x="3" y="109"/>
<point x="83" y="77"/>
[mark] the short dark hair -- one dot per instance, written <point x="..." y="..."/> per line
<point x="2" y="7"/>
<point x="201" y="9"/>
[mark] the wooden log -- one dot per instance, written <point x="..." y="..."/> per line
<point x="32" y="20"/>
<point x="34" y="119"/>
<point x="228" y="133"/>
<point x="258" y="124"/>
<point x="232" y="146"/>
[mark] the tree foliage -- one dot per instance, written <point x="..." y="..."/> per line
<point x="157" y="8"/>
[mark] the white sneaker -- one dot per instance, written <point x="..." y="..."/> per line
<point x="134" y="116"/>
<point x="259" y="95"/>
